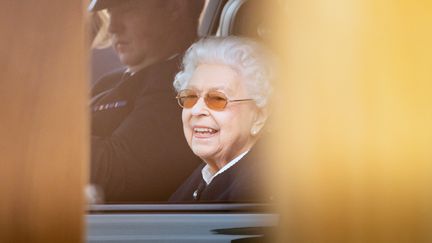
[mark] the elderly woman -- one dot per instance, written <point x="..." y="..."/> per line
<point x="223" y="90"/>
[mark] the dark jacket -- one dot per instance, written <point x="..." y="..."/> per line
<point x="243" y="182"/>
<point x="138" y="151"/>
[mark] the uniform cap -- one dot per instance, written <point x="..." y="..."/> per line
<point x="96" y="5"/>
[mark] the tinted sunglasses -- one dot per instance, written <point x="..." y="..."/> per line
<point x="214" y="100"/>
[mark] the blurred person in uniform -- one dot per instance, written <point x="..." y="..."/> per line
<point x="138" y="153"/>
<point x="103" y="58"/>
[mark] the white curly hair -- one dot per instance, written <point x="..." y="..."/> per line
<point x="249" y="58"/>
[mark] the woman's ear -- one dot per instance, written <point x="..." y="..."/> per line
<point x="260" y="119"/>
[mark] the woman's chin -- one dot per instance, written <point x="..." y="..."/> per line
<point x="204" y="152"/>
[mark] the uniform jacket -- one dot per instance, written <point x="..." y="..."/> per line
<point x="243" y="182"/>
<point x="138" y="151"/>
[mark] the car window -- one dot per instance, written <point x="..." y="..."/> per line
<point x="123" y="119"/>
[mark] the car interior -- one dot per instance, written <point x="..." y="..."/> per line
<point x="206" y="222"/>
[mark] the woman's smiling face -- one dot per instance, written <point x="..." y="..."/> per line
<point x="217" y="137"/>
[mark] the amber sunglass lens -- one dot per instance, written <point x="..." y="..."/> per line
<point x="216" y="100"/>
<point x="188" y="98"/>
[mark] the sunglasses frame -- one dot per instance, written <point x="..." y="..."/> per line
<point x="178" y="97"/>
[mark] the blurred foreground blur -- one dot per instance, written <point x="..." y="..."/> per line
<point x="354" y="140"/>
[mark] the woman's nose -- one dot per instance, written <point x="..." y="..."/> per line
<point x="200" y="108"/>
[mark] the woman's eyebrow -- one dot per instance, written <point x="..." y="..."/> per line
<point x="224" y="88"/>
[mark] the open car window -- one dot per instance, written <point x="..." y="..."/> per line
<point x="115" y="162"/>
<point x="185" y="222"/>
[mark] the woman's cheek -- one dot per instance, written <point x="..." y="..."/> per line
<point x="186" y="128"/>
